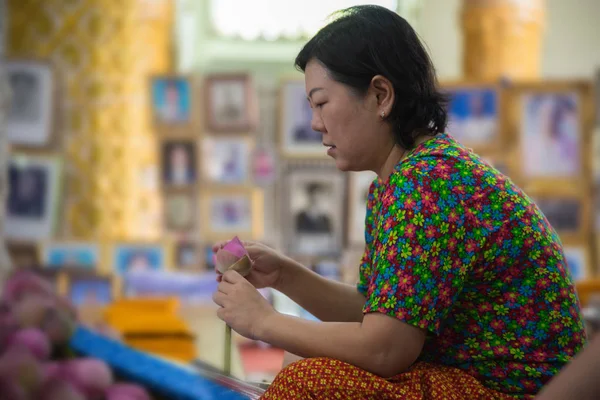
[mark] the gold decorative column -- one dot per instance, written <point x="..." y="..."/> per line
<point x="103" y="52"/>
<point x="502" y="38"/>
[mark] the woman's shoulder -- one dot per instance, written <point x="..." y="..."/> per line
<point x="435" y="158"/>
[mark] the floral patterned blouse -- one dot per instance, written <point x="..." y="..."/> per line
<point x="455" y="248"/>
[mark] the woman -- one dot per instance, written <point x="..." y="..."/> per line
<point x="463" y="291"/>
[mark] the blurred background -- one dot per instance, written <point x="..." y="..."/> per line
<point x="135" y="134"/>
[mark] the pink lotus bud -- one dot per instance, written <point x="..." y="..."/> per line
<point x="51" y="370"/>
<point x="89" y="376"/>
<point x="235" y="247"/>
<point x="34" y="340"/>
<point x="233" y="256"/>
<point x="60" y="389"/>
<point x="10" y="389"/>
<point x="18" y="365"/>
<point x="126" y="391"/>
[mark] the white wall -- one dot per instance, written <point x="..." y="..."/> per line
<point x="571" y="44"/>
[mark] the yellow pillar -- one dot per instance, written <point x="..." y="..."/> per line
<point x="103" y="52"/>
<point x="502" y="38"/>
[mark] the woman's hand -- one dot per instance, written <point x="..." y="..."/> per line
<point x="266" y="271"/>
<point x="243" y="308"/>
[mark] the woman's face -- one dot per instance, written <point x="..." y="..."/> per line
<point x="352" y="127"/>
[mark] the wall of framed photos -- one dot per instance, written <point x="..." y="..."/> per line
<point x="540" y="134"/>
<point x="226" y="149"/>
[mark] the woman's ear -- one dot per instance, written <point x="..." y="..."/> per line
<point x="383" y="89"/>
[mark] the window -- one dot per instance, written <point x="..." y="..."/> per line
<point x="277" y="19"/>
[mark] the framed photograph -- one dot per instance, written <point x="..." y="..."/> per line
<point x="578" y="262"/>
<point x="313" y="210"/>
<point x="30" y="118"/>
<point x="554" y="124"/>
<point x="179" y="162"/>
<point x="359" y="184"/>
<point x="568" y="214"/>
<point x="230" y="212"/>
<point x="172" y="102"/>
<point x="132" y="257"/>
<point x="227" y="160"/>
<point x="32" y="204"/>
<point x="24" y="254"/>
<point x="474" y="114"/>
<point x="84" y="255"/>
<point x="298" y="139"/>
<point x="231" y="104"/>
<point x="188" y="256"/>
<point x="180" y="211"/>
<point x="551" y="134"/>
<point x="90" y="290"/>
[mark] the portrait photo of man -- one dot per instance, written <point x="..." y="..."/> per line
<point x="314" y="217"/>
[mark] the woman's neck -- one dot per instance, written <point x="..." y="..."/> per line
<point x="397" y="154"/>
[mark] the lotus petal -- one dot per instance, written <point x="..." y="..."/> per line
<point x="236" y="247"/>
<point x="225" y="259"/>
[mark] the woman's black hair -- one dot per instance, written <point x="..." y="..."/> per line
<point x="368" y="40"/>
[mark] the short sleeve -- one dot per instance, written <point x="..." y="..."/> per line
<point x="426" y="242"/>
<point x="366" y="260"/>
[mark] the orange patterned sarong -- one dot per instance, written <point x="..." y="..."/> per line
<point x="325" y="378"/>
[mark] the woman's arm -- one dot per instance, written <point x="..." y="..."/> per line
<point x="325" y="299"/>
<point x="579" y="380"/>
<point x="382" y="345"/>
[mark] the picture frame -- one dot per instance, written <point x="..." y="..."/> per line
<point x="126" y="257"/>
<point x="358" y="187"/>
<point x="58" y="255"/>
<point x="231" y="104"/>
<point x="568" y="213"/>
<point x="180" y="210"/>
<point x="24" y="254"/>
<point x="297" y="139"/>
<point x="229" y="212"/>
<point x="91" y="289"/>
<point x="188" y="256"/>
<point x="173" y="99"/>
<point x="32" y="204"/>
<point x="475" y="114"/>
<point x="226" y="160"/>
<point x="179" y="161"/>
<point x="30" y="120"/>
<point x="578" y="260"/>
<point x="552" y="122"/>
<point x="313" y="209"/>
